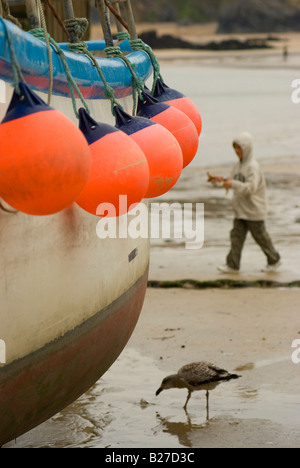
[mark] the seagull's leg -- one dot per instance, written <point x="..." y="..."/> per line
<point x="187" y="400"/>
<point x="207" y="405"/>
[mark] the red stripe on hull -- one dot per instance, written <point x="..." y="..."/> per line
<point x="41" y="384"/>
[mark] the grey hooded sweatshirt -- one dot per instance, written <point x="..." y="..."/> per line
<point x="249" y="185"/>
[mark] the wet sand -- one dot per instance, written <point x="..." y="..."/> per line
<point x="248" y="329"/>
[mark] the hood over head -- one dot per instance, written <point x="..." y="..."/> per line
<point x="245" y="141"/>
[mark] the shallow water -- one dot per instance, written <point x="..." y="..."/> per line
<point x="121" y="411"/>
<point x="237" y="98"/>
<point x="232" y="98"/>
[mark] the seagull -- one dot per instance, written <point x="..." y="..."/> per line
<point x="197" y="376"/>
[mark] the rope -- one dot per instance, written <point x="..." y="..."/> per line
<point x="7" y="15"/>
<point x="39" y="33"/>
<point x="138" y="44"/>
<point x="137" y="83"/>
<point x="46" y="38"/>
<point x="81" y="48"/>
<point x="123" y="36"/>
<point x="17" y="73"/>
<point x="76" y="28"/>
<point x="116" y="14"/>
<point x="56" y="15"/>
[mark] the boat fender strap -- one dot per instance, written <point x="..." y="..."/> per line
<point x="138" y="44"/>
<point x="136" y="82"/>
<point x="82" y="48"/>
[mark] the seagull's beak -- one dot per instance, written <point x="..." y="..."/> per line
<point x="159" y="391"/>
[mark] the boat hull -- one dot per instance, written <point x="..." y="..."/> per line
<point x="41" y="384"/>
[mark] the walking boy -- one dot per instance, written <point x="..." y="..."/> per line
<point x="249" y="205"/>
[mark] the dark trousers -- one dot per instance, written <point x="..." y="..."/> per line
<point x="259" y="233"/>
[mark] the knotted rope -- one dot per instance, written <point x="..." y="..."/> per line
<point x="76" y="28"/>
<point x="123" y="36"/>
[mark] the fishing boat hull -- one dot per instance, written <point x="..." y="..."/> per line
<point x="44" y="382"/>
<point x="70" y="299"/>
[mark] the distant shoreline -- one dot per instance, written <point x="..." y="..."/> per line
<point x="170" y="41"/>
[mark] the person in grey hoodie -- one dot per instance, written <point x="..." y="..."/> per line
<point x="249" y="205"/>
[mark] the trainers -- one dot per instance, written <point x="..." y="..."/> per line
<point x="227" y="269"/>
<point x="272" y="268"/>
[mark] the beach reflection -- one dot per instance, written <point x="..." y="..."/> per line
<point x="182" y="430"/>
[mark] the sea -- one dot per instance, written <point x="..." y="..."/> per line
<point x="254" y="95"/>
<point x="234" y="93"/>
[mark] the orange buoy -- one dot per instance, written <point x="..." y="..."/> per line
<point x="176" y="99"/>
<point x="119" y="167"/>
<point x="44" y="158"/>
<point x="178" y="123"/>
<point x="160" y="147"/>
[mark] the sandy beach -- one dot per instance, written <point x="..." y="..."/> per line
<point x="246" y="322"/>
<point x="248" y="329"/>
